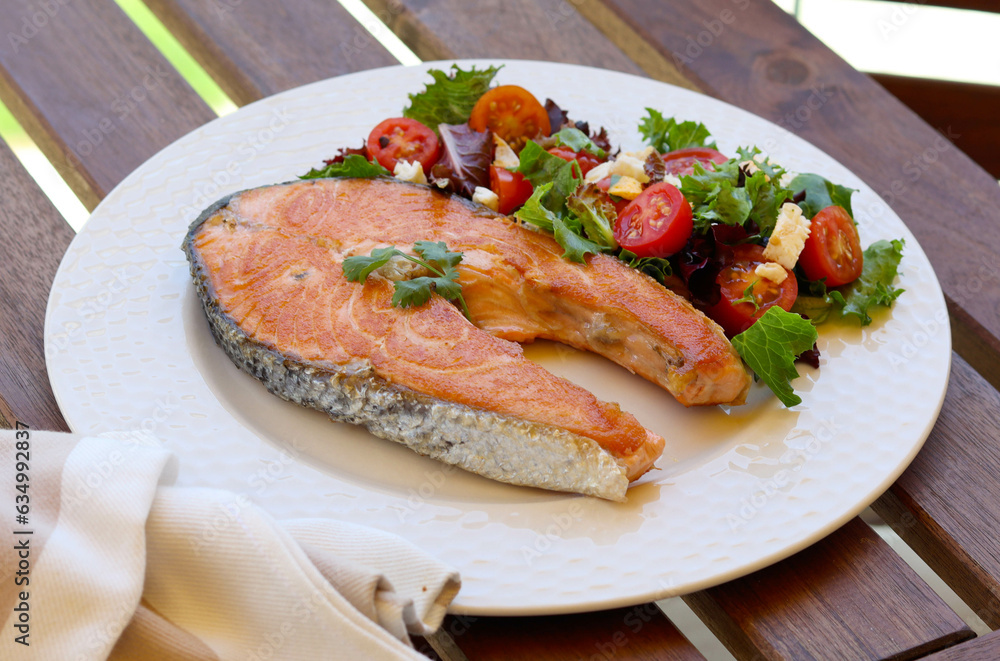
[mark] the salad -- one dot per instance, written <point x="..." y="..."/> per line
<point x="766" y="253"/>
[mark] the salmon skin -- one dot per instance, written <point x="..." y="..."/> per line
<point x="267" y="265"/>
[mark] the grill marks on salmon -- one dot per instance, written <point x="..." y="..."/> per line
<point x="267" y="266"/>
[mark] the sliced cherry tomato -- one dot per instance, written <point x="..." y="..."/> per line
<point x="619" y="202"/>
<point x="681" y="161"/>
<point x="403" y="139"/>
<point x="655" y="224"/>
<point x="833" y="249"/>
<point x="511" y="187"/>
<point x="735" y="276"/>
<point x="512" y="113"/>
<point x="586" y="160"/>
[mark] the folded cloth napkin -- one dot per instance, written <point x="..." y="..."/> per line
<point x="109" y="561"/>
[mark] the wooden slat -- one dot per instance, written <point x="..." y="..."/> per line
<point x="35" y="237"/>
<point x="550" y="30"/>
<point x="640" y="633"/>
<point x="944" y="505"/>
<point x="984" y="648"/>
<point x="255" y="48"/>
<point x="848" y="597"/>
<point x="970" y="110"/>
<point x="751" y="53"/>
<point x="91" y="90"/>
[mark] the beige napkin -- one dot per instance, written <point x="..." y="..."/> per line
<point x="111" y="562"/>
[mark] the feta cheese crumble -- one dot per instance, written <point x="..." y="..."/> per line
<point x="407" y="171"/>
<point x="789" y="236"/>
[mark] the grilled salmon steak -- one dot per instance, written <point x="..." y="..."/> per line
<point x="267" y="264"/>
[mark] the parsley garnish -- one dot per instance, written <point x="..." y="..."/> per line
<point x="435" y="257"/>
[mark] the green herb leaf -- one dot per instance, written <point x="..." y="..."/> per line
<point x="450" y="98"/>
<point x="575" y="245"/>
<point x="725" y="194"/>
<point x="874" y="287"/>
<point x="358" y="267"/>
<point x="540" y="167"/>
<point x="821" y="193"/>
<point x="657" y="268"/>
<point x="577" y="140"/>
<point x="353" y="165"/>
<point x="748" y="297"/>
<point x="770" y="347"/>
<point x="416" y="291"/>
<point x="596" y="213"/>
<point x="535" y="210"/>
<point x="665" y="134"/>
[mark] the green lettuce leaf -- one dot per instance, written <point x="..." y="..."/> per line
<point x="725" y="194"/>
<point x="353" y="165"/>
<point x="536" y="211"/>
<point x="821" y="193"/>
<point x="540" y="168"/>
<point x="657" y="268"/>
<point x="872" y="289"/>
<point x="770" y="347"/>
<point x="575" y="245"/>
<point x="450" y="98"/>
<point x="577" y="140"/>
<point x="665" y="134"/>
<point x="596" y="213"/>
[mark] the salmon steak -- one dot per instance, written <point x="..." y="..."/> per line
<point x="268" y="267"/>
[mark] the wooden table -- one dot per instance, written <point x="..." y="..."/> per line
<point x="68" y="69"/>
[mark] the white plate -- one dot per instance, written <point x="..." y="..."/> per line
<point x="128" y="347"/>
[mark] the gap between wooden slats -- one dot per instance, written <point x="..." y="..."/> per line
<point x="256" y="48"/>
<point x="943" y="506"/>
<point x="35" y="238"/>
<point x="92" y="92"/>
<point x="847" y="597"/>
<point x="950" y="204"/>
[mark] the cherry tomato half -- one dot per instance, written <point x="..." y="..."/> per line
<point x="511" y="187"/>
<point x="735" y="276"/>
<point x="681" y="161"/>
<point x="512" y="113"/>
<point x="657" y="223"/>
<point x="833" y="249"/>
<point x="586" y="160"/>
<point x="403" y="139"/>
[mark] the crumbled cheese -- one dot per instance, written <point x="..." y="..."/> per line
<point x="486" y="197"/>
<point x="789" y="236"/>
<point x="407" y="171"/>
<point x="503" y="155"/>
<point x="672" y="179"/>
<point x="626" y="187"/>
<point x="772" y="271"/>
<point x="624" y="165"/>
<point x="642" y="155"/>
